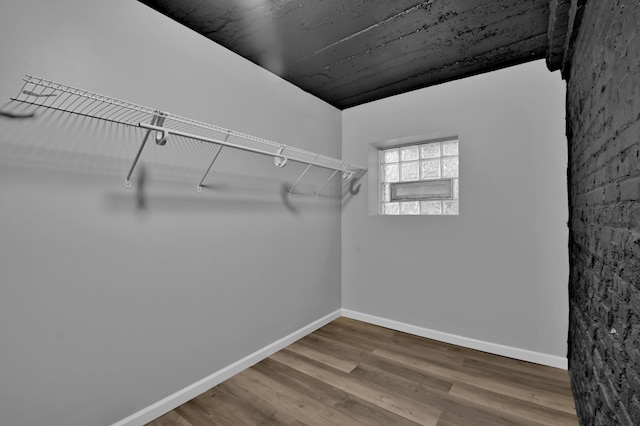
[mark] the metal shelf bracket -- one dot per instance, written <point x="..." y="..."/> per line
<point x="300" y="178"/>
<point x="158" y="117"/>
<point x="215" y="157"/>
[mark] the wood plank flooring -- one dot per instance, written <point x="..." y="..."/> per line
<point x="354" y="373"/>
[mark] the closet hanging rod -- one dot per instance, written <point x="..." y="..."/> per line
<point x="343" y="167"/>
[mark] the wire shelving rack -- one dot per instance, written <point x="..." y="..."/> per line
<point x="40" y="92"/>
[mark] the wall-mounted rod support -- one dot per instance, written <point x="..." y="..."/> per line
<point x="335" y="172"/>
<point x="215" y="157"/>
<point x="299" y="179"/>
<point x="278" y="160"/>
<point x="161" y="137"/>
<point x="127" y="182"/>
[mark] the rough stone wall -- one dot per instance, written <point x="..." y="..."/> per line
<point x="603" y="128"/>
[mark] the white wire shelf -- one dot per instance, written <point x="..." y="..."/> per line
<point x="39" y="92"/>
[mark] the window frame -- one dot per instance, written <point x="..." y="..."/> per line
<point x="394" y="197"/>
<point x="393" y="185"/>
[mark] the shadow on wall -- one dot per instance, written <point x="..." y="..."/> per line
<point x="224" y="201"/>
<point x="88" y="148"/>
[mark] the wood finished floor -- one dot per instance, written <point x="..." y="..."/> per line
<point x="354" y="373"/>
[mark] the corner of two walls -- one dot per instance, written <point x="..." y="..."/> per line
<point x="603" y="128"/>
<point x="106" y="308"/>
<point x="498" y="272"/>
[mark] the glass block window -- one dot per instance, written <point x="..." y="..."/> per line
<point x="420" y="179"/>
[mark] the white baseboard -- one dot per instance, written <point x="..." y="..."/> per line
<point x="172" y="401"/>
<point x="493" y="348"/>
<point x="178" y="398"/>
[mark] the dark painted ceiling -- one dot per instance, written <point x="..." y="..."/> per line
<point x="350" y="52"/>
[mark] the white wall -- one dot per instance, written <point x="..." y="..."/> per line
<point x="105" y="309"/>
<point x="498" y="272"/>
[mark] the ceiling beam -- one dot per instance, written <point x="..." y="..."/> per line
<point x="565" y="17"/>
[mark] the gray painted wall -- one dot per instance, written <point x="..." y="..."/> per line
<point x="499" y="271"/>
<point x="105" y="309"/>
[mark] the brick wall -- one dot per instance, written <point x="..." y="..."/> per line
<point x="603" y="128"/>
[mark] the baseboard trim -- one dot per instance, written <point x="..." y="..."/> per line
<point x="493" y="348"/>
<point x="178" y="398"/>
